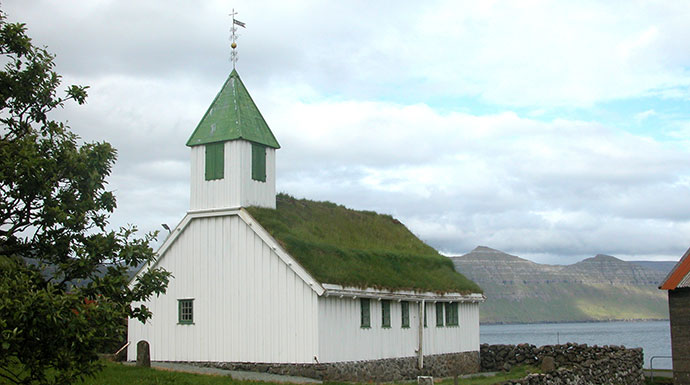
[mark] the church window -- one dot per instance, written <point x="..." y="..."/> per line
<point x="439" y="314"/>
<point x="405" y="312"/>
<point x="452" y="314"/>
<point x="386" y="313"/>
<point x="185" y="311"/>
<point x="365" y="319"/>
<point x="214" y="160"/>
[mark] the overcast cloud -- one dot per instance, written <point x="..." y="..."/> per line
<point x="550" y="130"/>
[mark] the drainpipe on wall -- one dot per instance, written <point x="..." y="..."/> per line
<point x="420" y="316"/>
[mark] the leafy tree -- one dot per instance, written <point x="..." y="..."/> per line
<point x="64" y="276"/>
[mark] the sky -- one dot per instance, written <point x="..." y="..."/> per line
<point x="551" y="130"/>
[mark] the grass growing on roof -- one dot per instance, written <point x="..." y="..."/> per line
<point x="338" y="245"/>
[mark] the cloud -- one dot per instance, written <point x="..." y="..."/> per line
<point x="473" y="122"/>
<point x="562" y="187"/>
<point x="543" y="54"/>
<point x="645" y="114"/>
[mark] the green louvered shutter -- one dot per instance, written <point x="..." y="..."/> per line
<point x="258" y="162"/>
<point x="215" y="160"/>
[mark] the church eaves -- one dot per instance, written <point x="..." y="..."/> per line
<point x="233" y="115"/>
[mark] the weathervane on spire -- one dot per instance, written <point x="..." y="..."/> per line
<point x="233" y="37"/>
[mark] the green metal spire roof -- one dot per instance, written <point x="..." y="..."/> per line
<point x="233" y="115"/>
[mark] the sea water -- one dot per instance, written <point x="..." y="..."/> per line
<point x="654" y="337"/>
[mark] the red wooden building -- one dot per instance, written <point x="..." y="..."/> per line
<point x="678" y="285"/>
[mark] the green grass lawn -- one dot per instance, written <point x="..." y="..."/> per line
<point x="119" y="374"/>
<point x="659" y="381"/>
<point x="514" y="374"/>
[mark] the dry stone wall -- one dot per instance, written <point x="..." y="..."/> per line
<point x="569" y="363"/>
<point x="391" y="369"/>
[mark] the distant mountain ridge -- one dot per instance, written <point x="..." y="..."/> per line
<point x="599" y="288"/>
<point x="663" y="266"/>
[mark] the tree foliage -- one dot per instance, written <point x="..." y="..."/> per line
<point x="64" y="275"/>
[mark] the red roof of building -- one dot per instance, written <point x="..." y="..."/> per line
<point x="680" y="275"/>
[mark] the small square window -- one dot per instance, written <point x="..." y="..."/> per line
<point x="185" y="311"/>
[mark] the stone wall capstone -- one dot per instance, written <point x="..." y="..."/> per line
<point x="574" y="363"/>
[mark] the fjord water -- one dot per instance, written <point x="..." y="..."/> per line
<point x="654" y="337"/>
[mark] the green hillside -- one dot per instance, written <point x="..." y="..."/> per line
<point x="364" y="249"/>
<point x="595" y="289"/>
<point x="575" y="302"/>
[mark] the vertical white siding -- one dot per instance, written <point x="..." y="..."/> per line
<point x="248" y="305"/>
<point x="449" y="339"/>
<point x="342" y="339"/>
<point x="237" y="188"/>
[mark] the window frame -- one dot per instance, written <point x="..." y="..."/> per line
<point x="452" y="314"/>
<point x="404" y="315"/>
<point x="181" y="316"/>
<point x="365" y="313"/>
<point x="439" y="314"/>
<point x="386" y="313"/>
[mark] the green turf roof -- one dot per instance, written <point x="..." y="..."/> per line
<point x="364" y="249"/>
<point x="233" y="115"/>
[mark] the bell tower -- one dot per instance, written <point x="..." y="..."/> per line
<point x="233" y="153"/>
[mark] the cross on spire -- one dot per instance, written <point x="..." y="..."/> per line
<point x="233" y="36"/>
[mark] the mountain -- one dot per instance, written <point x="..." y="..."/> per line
<point x="663" y="266"/>
<point x="598" y="288"/>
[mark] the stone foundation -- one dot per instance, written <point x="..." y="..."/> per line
<point x="389" y="369"/>
<point x="570" y="363"/>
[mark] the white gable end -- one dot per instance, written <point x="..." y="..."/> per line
<point x="250" y="303"/>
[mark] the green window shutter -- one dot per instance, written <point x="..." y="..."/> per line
<point x="385" y="313"/>
<point x="424" y="314"/>
<point x="366" y="313"/>
<point x="405" y="310"/>
<point x="215" y="159"/>
<point x="210" y="162"/>
<point x="258" y="162"/>
<point x="452" y="314"/>
<point x="439" y="314"/>
<point x="185" y="311"/>
<point x="220" y="161"/>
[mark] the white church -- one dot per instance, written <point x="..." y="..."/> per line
<point x="240" y="299"/>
